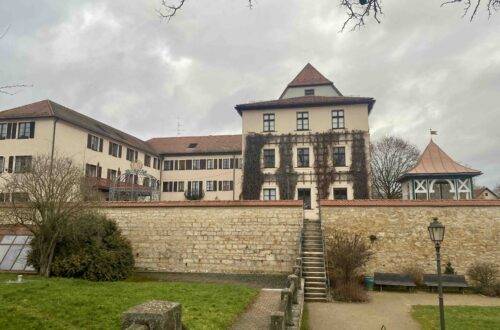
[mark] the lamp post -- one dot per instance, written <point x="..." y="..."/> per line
<point x="436" y="233"/>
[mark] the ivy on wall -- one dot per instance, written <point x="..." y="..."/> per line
<point x="286" y="177"/>
<point x="253" y="178"/>
<point x="324" y="172"/>
<point x="323" y="168"/>
<point x="359" y="170"/>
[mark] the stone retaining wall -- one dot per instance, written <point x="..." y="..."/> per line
<point x="472" y="231"/>
<point x="211" y="237"/>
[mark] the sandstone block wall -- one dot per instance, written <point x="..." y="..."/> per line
<point x="472" y="231"/>
<point x="213" y="237"/>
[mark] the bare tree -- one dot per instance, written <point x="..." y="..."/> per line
<point x="497" y="189"/>
<point x="390" y="158"/>
<point x="359" y="11"/>
<point x="45" y="197"/>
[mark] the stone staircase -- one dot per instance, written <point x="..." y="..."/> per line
<point x="313" y="262"/>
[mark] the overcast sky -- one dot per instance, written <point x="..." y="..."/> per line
<point x="119" y="63"/>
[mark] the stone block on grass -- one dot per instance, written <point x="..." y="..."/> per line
<point x="154" y="315"/>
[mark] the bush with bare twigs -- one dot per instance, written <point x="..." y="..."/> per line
<point x="347" y="255"/>
<point x="416" y="273"/>
<point x="484" y="276"/>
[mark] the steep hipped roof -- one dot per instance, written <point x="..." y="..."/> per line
<point x="434" y="161"/>
<point x="186" y="145"/>
<point x="309" y="76"/>
<point x="50" y="109"/>
<point x="306" y="101"/>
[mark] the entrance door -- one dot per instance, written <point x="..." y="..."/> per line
<point x="305" y="195"/>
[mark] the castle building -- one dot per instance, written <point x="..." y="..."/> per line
<point x="437" y="176"/>
<point x="311" y="143"/>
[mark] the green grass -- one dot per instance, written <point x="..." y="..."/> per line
<point x="458" y="317"/>
<point x="58" y="303"/>
<point x="305" y="319"/>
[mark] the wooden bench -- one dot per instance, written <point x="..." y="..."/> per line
<point x="393" y="279"/>
<point x="448" y="281"/>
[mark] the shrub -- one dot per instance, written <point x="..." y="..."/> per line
<point x="449" y="270"/>
<point x="347" y="255"/>
<point x="416" y="273"/>
<point x="350" y="292"/>
<point x="93" y="249"/>
<point x="194" y="195"/>
<point x="484" y="276"/>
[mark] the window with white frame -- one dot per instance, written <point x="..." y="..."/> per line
<point x="227" y="185"/>
<point x="168" y="165"/>
<point x="115" y="149"/>
<point x="309" y="92"/>
<point x="2" y="164"/>
<point x="210" y="185"/>
<point x="132" y="155"/>
<point x="302" y="157"/>
<point x="196" y="164"/>
<point x="226" y="163"/>
<point x="338" y="119"/>
<point x="302" y="121"/>
<point x="210" y="164"/>
<point x="22" y="164"/>
<point x="339" y="156"/>
<point x="269" y="122"/>
<point x="269" y="158"/>
<point x="340" y="193"/>
<point x="26" y="130"/>
<point x="269" y="194"/>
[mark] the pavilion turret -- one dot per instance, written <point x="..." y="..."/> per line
<point x="437" y="176"/>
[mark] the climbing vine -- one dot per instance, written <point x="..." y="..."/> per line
<point x="359" y="170"/>
<point x="253" y="178"/>
<point x="286" y="177"/>
<point x="325" y="172"/>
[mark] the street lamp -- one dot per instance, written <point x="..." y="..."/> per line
<point x="436" y="233"/>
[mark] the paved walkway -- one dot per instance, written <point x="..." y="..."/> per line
<point x="258" y="314"/>
<point x="391" y="309"/>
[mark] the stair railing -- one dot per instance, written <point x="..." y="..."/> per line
<point x="325" y="254"/>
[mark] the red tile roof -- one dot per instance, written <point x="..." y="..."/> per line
<point x="434" y="161"/>
<point x="47" y="108"/>
<point x="479" y="191"/>
<point x="306" y="101"/>
<point x="309" y="76"/>
<point x="211" y="144"/>
<point x="408" y="203"/>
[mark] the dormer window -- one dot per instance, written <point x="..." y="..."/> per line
<point x="309" y="92"/>
<point x="192" y="145"/>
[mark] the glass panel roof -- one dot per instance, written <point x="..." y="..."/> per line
<point x="14" y="250"/>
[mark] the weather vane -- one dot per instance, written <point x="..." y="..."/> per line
<point x="433" y="132"/>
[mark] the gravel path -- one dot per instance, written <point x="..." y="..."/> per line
<point x="258" y="315"/>
<point x="391" y="309"/>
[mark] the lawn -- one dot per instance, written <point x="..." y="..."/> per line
<point x="458" y="317"/>
<point x="59" y="303"/>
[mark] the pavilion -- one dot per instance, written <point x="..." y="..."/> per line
<point x="437" y="176"/>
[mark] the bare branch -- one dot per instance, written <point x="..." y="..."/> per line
<point x="169" y="10"/>
<point x="7" y="89"/>
<point x="5" y="31"/>
<point x="473" y="6"/>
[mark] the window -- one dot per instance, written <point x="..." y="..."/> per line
<point x="115" y="149"/>
<point x="132" y="155"/>
<point x="269" y="159"/>
<point x="192" y="145"/>
<point x="339" y="156"/>
<point x="168" y="165"/>
<point x="339" y="193"/>
<point x="94" y="143"/>
<point x="227" y="185"/>
<point x="269" y="194"/>
<point x="302" y="121"/>
<point x="337" y="119"/>
<point x="269" y="122"/>
<point x="195" y="186"/>
<point x="308" y="92"/>
<point x="226" y="163"/>
<point x="8" y="131"/>
<point x="180" y="186"/>
<point x="302" y="157"/>
<point x="22" y="164"/>
<point x="210" y="164"/>
<point x="14" y="250"/>
<point x="182" y="165"/>
<point x="2" y="164"/>
<point x="189" y="164"/>
<point x="211" y="185"/>
<point x="92" y="171"/>
<point x="147" y="160"/>
<point x="111" y="175"/>
<point x="196" y="164"/>
<point x="168" y="186"/>
<point x="26" y="130"/>
<point x="156" y="163"/>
